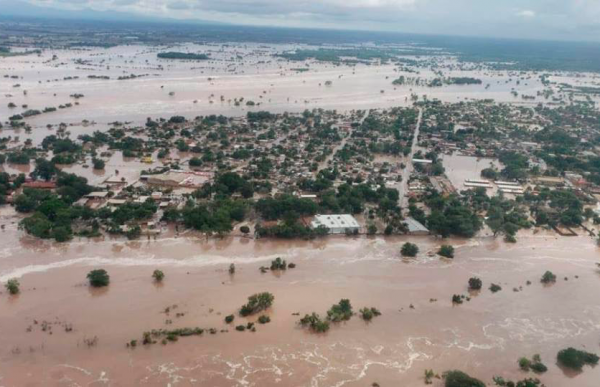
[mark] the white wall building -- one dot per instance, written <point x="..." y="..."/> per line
<point x="337" y="224"/>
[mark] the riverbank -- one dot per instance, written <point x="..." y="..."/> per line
<point x="483" y="337"/>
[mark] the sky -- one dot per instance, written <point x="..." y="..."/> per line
<point x="529" y="19"/>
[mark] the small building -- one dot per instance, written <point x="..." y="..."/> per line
<point x="337" y="224"/>
<point x="415" y="227"/>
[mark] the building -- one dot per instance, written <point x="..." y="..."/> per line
<point x="337" y="224"/>
<point x="178" y="179"/>
<point x="415" y="227"/>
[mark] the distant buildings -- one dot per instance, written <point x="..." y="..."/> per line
<point x="178" y="179"/>
<point x="337" y="224"/>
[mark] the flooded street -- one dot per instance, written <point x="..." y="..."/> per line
<point x="419" y="328"/>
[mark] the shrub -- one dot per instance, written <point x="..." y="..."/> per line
<point x="576" y="359"/>
<point x="257" y="303"/>
<point x="409" y="250"/>
<point x="341" y="311"/>
<point x="495" y="288"/>
<point x="524" y="363"/>
<point x="539" y="368"/>
<point x="457" y="299"/>
<point x="315" y="323"/>
<point x="446" y="251"/>
<point x="158" y="275"/>
<point x="229" y="319"/>
<point x="278" y="264"/>
<point x="457" y="378"/>
<point x="98" y="164"/>
<point x="291" y="265"/>
<point x="240" y="328"/>
<point x="264" y="319"/>
<point x="12" y="286"/>
<point x="98" y="278"/>
<point x="475" y="283"/>
<point x="367" y="314"/>
<point x="245" y="229"/>
<point x="548" y="278"/>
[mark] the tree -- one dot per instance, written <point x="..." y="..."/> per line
<point x="256" y="303"/>
<point x="232" y="268"/>
<point x="409" y="250"/>
<point x="12" y="285"/>
<point x="44" y="169"/>
<point x="446" y="251"/>
<point x="245" y="229"/>
<point x="341" y="311"/>
<point x="98" y="164"/>
<point x="475" y="283"/>
<point x="548" y="278"/>
<point x="576" y="359"/>
<point x="98" y="278"/>
<point x="158" y="275"/>
<point x="457" y="378"/>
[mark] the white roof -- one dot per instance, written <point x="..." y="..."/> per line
<point x="335" y="221"/>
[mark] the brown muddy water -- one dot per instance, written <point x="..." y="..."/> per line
<point x="483" y="337"/>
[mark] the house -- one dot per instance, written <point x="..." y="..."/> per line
<point x="337" y="224"/>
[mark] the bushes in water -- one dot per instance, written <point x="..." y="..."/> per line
<point x="548" y="278"/>
<point x="98" y="278"/>
<point x="457" y="378"/>
<point x="446" y="251"/>
<point x="12" y="286"/>
<point x="341" y="311"/>
<point x="409" y="250"/>
<point x="315" y="323"/>
<point x="264" y="319"/>
<point x="278" y="264"/>
<point x="575" y="359"/>
<point x="535" y="364"/>
<point x="229" y="319"/>
<point x="367" y="314"/>
<point x="495" y="288"/>
<point x="158" y="275"/>
<point x="257" y="303"/>
<point x="475" y="283"/>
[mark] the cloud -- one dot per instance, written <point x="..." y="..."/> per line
<point x="526" y="13"/>
<point x="547" y="19"/>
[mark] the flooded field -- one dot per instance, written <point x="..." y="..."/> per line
<point x="170" y="87"/>
<point x="419" y="328"/>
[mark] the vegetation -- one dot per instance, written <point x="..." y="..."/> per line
<point x="367" y="314"/>
<point x="182" y="55"/>
<point x="475" y="283"/>
<point x="548" y="278"/>
<point x="257" y="303"/>
<point x="315" y="323"/>
<point x="446" y="251"/>
<point x="158" y="275"/>
<point x="495" y="288"/>
<point x="409" y="250"/>
<point x="575" y="359"/>
<point x="341" y="311"/>
<point x="98" y="278"/>
<point x="12" y="286"/>
<point x="457" y="378"/>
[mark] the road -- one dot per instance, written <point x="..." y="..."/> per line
<point x="402" y="187"/>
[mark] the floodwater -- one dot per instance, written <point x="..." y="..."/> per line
<point x="460" y="168"/>
<point x="195" y="88"/>
<point x="484" y="336"/>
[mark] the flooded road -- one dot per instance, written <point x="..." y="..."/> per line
<point x="419" y="328"/>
